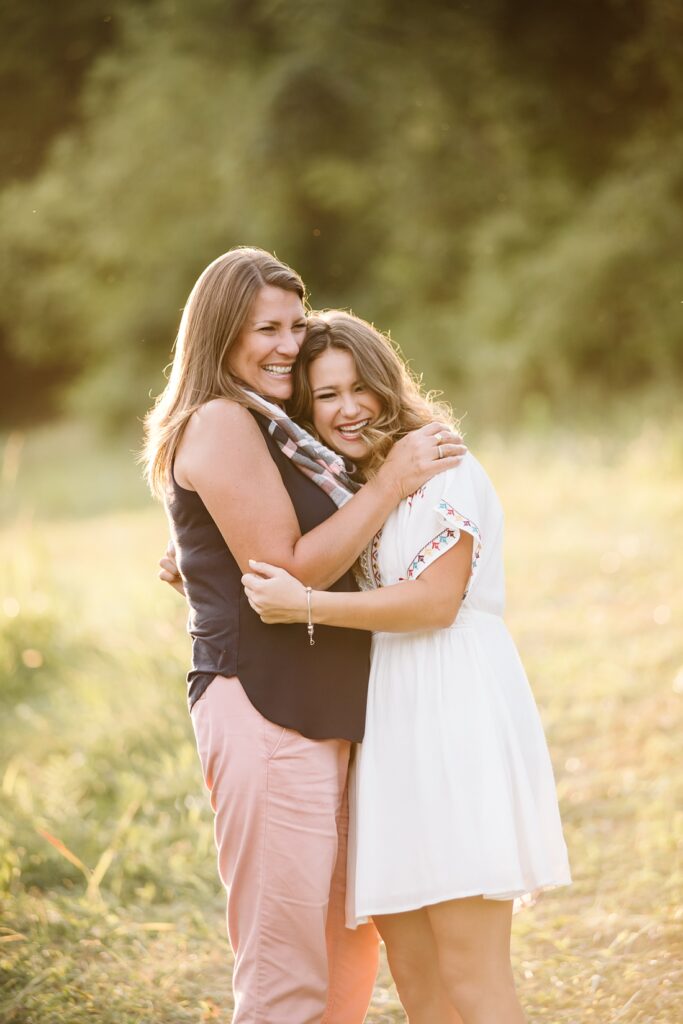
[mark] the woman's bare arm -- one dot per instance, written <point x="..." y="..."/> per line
<point x="223" y="457"/>
<point x="432" y="601"/>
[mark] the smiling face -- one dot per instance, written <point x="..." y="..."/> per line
<point x="343" y="405"/>
<point x="265" y="350"/>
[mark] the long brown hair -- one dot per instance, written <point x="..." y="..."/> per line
<point x="214" y="315"/>
<point x="405" y="406"/>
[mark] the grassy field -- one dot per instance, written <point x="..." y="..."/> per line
<point x="111" y="909"/>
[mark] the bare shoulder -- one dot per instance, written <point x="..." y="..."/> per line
<point x="220" y="432"/>
<point x="221" y="414"/>
<point x="219" y="422"/>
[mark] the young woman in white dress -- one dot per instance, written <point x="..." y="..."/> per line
<point x="454" y="811"/>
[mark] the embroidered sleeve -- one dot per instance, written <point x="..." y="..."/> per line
<point x="449" y="535"/>
<point x="366" y="569"/>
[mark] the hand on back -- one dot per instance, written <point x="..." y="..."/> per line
<point x="168" y="569"/>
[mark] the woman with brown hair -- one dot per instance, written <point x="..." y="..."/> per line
<point x="453" y="813"/>
<point x="274" y="717"/>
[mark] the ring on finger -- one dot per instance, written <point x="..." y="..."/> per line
<point x="439" y="451"/>
<point x="438" y="438"/>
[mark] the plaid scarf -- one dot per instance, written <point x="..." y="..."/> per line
<point x="321" y="465"/>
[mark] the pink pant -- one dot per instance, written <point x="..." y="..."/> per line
<point x="281" y="823"/>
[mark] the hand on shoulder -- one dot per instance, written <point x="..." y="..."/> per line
<point x="422" y="454"/>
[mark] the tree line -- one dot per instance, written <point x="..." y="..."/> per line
<point x="498" y="181"/>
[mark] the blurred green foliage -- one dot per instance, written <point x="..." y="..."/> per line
<point x="499" y="182"/>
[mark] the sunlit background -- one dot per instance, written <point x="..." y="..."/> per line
<point x="499" y="183"/>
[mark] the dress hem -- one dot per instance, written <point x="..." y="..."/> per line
<point x="522" y="896"/>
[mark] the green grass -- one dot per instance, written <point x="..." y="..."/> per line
<point x="111" y="911"/>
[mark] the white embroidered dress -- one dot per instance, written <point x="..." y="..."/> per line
<point x="452" y="791"/>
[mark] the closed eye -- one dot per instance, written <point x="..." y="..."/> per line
<point x="269" y="328"/>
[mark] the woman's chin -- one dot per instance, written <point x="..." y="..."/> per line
<point x="278" y="390"/>
<point x="354" y="451"/>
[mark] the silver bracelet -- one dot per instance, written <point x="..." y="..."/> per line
<point x="309" y="627"/>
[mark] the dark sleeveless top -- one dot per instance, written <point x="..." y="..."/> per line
<point x="320" y="691"/>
